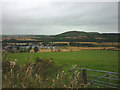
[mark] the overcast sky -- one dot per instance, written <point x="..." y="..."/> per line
<point x="50" y="18"/>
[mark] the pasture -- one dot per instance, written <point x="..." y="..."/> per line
<point x="91" y="59"/>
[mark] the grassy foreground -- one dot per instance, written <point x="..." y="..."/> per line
<point x="56" y="69"/>
<point x="91" y="59"/>
<point x="41" y="74"/>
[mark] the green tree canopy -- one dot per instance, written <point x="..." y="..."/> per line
<point x="36" y="49"/>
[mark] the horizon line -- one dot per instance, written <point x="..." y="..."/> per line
<point x="59" y="33"/>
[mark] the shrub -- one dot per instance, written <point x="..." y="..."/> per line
<point x="45" y="68"/>
<point x="36" y="49"/>
<point x="41" y="74"/>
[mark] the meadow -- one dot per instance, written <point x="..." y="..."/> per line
<point x="91" y="59"/>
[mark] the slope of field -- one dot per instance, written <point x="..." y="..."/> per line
<point x="91" y="59"/>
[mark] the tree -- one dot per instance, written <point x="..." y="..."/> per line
<point x="18" y="48"/>
<point x="29" y="48"/>
<point x="36" y="49"/>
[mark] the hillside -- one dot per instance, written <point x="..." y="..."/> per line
<point x="69" y="36"/>
<point x="87" y="36"/>
<point x="76" y="33"/>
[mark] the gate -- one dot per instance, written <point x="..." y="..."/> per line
<point x="102" y="79"/>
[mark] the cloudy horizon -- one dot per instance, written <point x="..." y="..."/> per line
<point x="50" y="18"/>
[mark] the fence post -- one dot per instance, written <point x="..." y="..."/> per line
<point x="110" y="78"/>
<point x="84" y="75"/>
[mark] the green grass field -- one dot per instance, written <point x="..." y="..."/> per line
<point x="91" y="59"/>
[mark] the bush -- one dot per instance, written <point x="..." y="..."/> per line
<point x="41" y="74"/>
<point x="36" y="49"/>
<point x="45" y="68"/>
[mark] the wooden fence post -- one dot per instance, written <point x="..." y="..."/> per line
<point x="110" y="78"/>
<point x="84" y="76"/>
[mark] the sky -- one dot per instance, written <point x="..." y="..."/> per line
<point x="51" y="18"/>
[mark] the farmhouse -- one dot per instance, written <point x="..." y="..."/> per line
<point x="24" y="47"/>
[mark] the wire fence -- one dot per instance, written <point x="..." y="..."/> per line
<point x="99" y="78"/>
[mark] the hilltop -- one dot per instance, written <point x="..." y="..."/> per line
<point x="76" y="33"/>
<point x="86" y="36"/>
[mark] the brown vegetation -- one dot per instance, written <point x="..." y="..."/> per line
<point x="41" y="74"/>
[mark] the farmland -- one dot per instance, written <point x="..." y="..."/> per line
<point x="51" y="60"/>
<point x="92" y="59"/>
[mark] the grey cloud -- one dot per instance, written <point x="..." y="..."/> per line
<point x="53" y="18"/>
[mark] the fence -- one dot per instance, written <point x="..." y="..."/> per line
<point x="101" y="79"/>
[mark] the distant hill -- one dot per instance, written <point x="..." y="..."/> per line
<point x="78" y="36"/>
<point x="86" y="36"/>
<point x="76" y="33"/>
